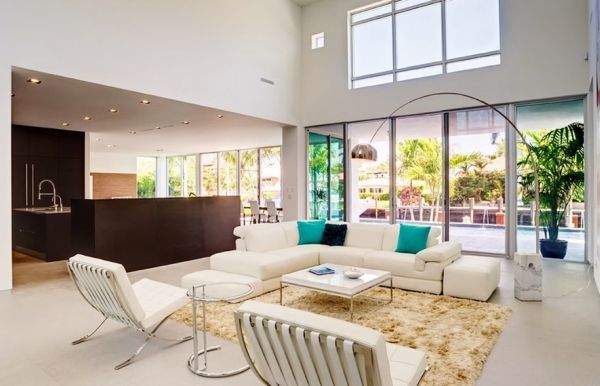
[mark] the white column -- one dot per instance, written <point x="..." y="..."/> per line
<point x="293" y="173"/>
<point x="5" y="177"/>
<point x="161" y="177"/>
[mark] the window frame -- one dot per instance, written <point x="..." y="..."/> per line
<point x="394" y="71"/>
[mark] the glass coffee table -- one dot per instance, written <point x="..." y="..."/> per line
<point x="337" y="283"/>
<point x="208" y="293"/>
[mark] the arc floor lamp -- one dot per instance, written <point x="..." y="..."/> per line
<point x="366" y="151"/>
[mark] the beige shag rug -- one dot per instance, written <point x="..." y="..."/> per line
<point x="457" y="334"/>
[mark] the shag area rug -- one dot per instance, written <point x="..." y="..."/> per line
<point x="457" y="334"/>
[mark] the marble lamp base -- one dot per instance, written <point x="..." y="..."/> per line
<point x="528" y="276"/>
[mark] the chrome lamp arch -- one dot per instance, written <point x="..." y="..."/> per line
<point x="366" y="151"/>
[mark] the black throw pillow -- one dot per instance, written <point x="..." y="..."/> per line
<point x="334" y="234"/>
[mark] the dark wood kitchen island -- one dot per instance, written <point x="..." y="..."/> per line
<point x="150" y="232"/>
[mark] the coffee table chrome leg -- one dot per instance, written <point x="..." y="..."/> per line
<point x="280" y="293"/>
<point x="391" y="291"/>
<point x="351" y="308"/>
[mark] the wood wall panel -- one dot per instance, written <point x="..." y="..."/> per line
<point x="109" y="185"/>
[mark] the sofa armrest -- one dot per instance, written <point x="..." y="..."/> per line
<point x="448" y="250"/>
<point x="240" y="244"/>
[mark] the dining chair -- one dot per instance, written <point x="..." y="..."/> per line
<point x="144" y="305"/>
<point x="272" y="215"/>
<point x="255" y="214"/>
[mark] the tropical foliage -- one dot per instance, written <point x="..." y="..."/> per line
<point x="421" y="159"/>
<point x="558" y="157"/>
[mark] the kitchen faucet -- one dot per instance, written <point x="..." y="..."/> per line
<point x="53" y="194"/>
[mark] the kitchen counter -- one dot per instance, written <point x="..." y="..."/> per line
<point x="42" y="232"/>
<point x="150" y="232"/>
<point x="64" y="210"/>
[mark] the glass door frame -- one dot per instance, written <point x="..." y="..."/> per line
<point x="345" y="162"/>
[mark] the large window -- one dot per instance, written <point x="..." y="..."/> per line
<point x="253" y="174"/>
<point x="228" y="167"/>
<point x="208" y="174"/>
<point x="146" y="177"/>
<point x="181" y="174"/>
<point x="465" y="171"/>
<point x="249" y="175"/>
<point x="270" y="174"/>
<point x="411" y="39"/>
<point x="369" y="182"/>
<point x="326" y="185"/>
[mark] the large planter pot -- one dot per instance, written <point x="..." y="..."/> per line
<point x="555" y="249"/>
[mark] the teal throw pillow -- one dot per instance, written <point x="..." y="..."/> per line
<point x="412" y="238"/>
<point x="311" y="232"/>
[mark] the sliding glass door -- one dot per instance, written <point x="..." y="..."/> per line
<point x="326" y="187"/>
<point x="419" y="174"/>
<point x="477" y="179"/>
<point x="457" y="170"/>
<point x="369" y="182"/>
<point x="536" y="120"/>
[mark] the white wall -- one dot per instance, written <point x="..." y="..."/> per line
<point x="112" y="163"/>
<point x="594" y="124"/>
<point x="209" y="52"/>
<point x="543" y="44"/>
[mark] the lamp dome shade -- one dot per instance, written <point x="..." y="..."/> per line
<point x="364" y="151"/>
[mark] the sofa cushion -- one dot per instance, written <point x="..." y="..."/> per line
<point x="291" y="232"/>
<point x="391" y="234"/>
<point x="334" y="234"/>
<point x="350" y="256"/>
<point x="263" y="266"/>
<point x="402" y="264"/>
<point x="412" y="238"/>
<point x="368" y="236"/>
<point x="259" y="238"/>
<point x="311" y="232"/>
<point x="306" y="250"/>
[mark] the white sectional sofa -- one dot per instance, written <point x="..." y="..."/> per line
<point x="267" y="251"/>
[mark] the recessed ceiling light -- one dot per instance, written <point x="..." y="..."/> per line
<point x="34" y="81"/>
<point x="113" y="110"/>
<point x="220" y="116"/>
<point x="132" y="132"/>
<point x="111" y="146"/>
<point x="65" y="124"/>
<point x="86" y="118"/>
<point x="185" y="122"/>
<point x="145" y="102"/>
<point x="98" y="139"/>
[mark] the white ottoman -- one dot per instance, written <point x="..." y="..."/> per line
<point x="211" y="276"/>
<point x="472" y="277"/>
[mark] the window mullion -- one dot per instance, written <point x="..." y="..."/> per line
<point x="443" y="7"/>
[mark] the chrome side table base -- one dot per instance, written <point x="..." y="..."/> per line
<point x="203" y="372"/>
<point x="193" y="360"/>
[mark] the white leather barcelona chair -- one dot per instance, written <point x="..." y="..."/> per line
<point x="145" y="305"/>
<point x="286" y="346"/>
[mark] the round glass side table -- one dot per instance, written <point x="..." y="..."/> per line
<point x="210" y="293"/>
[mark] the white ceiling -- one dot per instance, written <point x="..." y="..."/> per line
<point x="302" y="3"/>
<point x="58" y="99"/>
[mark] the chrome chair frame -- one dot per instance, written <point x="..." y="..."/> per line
<point x="301" y="370"/>
<point x="107" y="298"/>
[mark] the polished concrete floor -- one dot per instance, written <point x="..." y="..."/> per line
<point x="556" y="342"/>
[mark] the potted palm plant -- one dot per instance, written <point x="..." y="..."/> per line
<point x="558" y="158"/>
